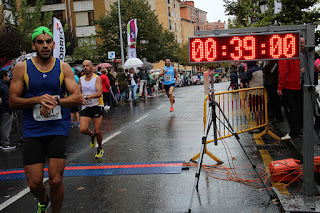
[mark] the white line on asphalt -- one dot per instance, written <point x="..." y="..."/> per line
<point x="17" y="197"/>
<point x="110" y="137"/>
<point x="140" y="119"/>
<point x="161" y="106"/>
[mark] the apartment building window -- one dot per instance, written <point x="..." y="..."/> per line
<point x="168" y="1"/>
<point x="7" y="4"/>
<point x="58" y="15"/>
<point x="47" y="2"/>
<point x="91" y="18"/>
<point x="169" y="11"/>
<point x="170" y="25"/>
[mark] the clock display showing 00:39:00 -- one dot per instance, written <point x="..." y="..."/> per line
<point x="244" y="47"/>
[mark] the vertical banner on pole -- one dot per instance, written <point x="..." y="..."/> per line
<point x="132" y="33"/>
<point x="58" y="37"/>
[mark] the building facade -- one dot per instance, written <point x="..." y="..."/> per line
<point x="216" y="25"/>
<point x="168" y="12"/>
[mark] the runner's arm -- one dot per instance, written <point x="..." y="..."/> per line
<point x="75" y="97"/>
<point x="16" y="101"/>
<point x="162" y="72"/>
<point x="97" y="94"/>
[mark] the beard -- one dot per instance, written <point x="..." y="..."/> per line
<point x="45" y="56"/>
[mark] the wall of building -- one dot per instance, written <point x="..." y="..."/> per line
<point x="187" y="30"/>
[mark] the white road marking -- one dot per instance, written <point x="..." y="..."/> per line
<point x="17" y="197"/>
<point x="140" y="119"/>
<point x="161" y="106"/>
<point x="110" y="137"/>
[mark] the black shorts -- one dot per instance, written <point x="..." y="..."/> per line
<point x="37" y="149"/>
<point x="75" y="109"/>
<point x="92" y="112"/>
<point x="167" y="87"/>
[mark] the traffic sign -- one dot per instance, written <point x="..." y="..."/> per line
<point x="111" y="54"/>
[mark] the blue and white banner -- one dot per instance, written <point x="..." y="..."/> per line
<point x="58" y="37"/>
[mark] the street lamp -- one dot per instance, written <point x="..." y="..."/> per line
<point x="263" y="5"/>
<point x="121" y="42"/>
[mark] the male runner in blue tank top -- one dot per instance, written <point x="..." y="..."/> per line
<point x="168" y="73"/>
<point x="39" y="86"/>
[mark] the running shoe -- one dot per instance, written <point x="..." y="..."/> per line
<point x="171" y="109"/>
<point x="139" y="95"/>
<point x="43" y="208"/>
<point x="8" y="147"/>
<point x="93" y="141"/>
<point x="99" y="153"/>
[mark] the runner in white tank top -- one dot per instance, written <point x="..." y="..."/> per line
<point x="91" y="88"/>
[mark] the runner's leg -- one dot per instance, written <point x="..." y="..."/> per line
<point x="84" y="125"/>
<point x="97" y="130"/>
<point x="34" y="175"/>
<point x="170" y="95"/>
<point x="55" y="168"/>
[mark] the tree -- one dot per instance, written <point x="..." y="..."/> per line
<point x="86" y="49"/>
<point x="248" y="14"/>
<point x="26" y="19"/>
<point x="153" y="43"/>
<point x="10" y="43"/>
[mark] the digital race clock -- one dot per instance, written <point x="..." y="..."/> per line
<point x="260" y="46"/>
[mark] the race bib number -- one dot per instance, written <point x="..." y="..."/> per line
<point x="89" y="102"/>
<point x="54" y="115"/>
<point x="167" y="77"/>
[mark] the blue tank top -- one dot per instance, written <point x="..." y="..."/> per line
<point x="37" y="83"/>
<point x="168" y="77"/>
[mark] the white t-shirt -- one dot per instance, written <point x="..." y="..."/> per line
<point x="133" y="82"/>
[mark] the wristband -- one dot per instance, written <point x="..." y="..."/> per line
<point x="85" y="97"/>
<point x="58" y="100"/>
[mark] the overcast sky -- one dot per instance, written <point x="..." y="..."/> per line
<point x="214" y="9"/>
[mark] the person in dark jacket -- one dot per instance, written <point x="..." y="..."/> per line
<point x="123" y="85"/>
<point x="6" y="112"/>
<point x="271" y="73"/>
<point x="143" y="80"/>
<point x="112" y="80"/>
<point x="233" y="79"/>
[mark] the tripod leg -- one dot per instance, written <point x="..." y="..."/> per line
<point x="197" y="176"/>
<point x="238" y="139"/>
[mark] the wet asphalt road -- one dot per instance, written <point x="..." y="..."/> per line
<point x="148" y="132"/>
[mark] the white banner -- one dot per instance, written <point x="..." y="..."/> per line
<point x="58" y="37"/>
<point x="132" y="52"/>
<point x="277" y="6"/>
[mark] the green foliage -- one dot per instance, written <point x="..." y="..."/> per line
<point x="86" y="50"/>
<point x="26" y="20"/>
<point x="10" y="40"/>
<point x="183" y="55"/>
<point x="159" y="43"/>
<point x="294" y="12"/>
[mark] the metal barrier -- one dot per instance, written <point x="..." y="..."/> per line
<point x="246" y="109"/>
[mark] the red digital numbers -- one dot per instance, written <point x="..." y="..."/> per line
<point x="206" y="49"/>
<point x="249" y="43"/>
<point x="282" y="46"/>
<point x="244" y="47"/>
